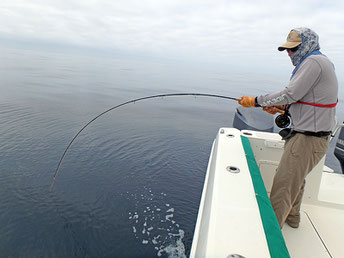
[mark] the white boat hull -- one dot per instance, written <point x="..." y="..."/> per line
<point x="229" y="220"/>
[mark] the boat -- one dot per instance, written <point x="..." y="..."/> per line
<point x="235" y="217"/>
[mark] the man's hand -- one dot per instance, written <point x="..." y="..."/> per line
<point x="274" y="109"/>
<point x="247" y="101"/>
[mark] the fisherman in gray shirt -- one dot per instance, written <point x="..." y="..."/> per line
<point x="309" y="99"/>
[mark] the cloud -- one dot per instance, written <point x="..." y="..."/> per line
<point x="215" y="29"/>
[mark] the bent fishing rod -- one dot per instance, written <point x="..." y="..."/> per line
<point x="126" y="103"/>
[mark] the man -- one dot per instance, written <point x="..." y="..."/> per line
<point x="310" y="98"/>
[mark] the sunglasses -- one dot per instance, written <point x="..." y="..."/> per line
<point x="292" y="49"/>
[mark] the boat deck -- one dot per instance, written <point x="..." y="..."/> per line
<point x="229" y="222"/>
<point x="320" y="233"/>
<point x="321" y="229"/>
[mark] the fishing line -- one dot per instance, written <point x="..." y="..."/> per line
<point x="126" y="103"/>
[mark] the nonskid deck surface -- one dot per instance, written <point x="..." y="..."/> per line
<point x="332" y="188"/>
<point x="319" y="233"/>
<point x="321" y="230"/>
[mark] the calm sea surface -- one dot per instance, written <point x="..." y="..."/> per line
<point x="131" y="183"/>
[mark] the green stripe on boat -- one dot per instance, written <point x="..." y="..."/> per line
<point x="273" y="234"/>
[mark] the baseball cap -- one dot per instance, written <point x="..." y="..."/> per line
<point x="293" y="40"/>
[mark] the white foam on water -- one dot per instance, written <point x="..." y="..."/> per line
<point x="156" y="225"/>
<point x="169" y="216"/>
<point x="174" y="250"/>
<point x="155" y="240"/>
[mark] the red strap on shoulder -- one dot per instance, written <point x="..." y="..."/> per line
<point x="319" y="105"/>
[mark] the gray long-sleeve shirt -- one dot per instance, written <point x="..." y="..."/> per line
<point x="314" y="82"/>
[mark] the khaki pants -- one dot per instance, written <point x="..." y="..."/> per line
<point x="301" y="154"/>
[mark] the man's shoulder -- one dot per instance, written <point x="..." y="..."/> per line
<point x="322" y="61"/>
<point x="316" y="62"/>
<point x="318" y="59"/>
<point x="311" y="62"/>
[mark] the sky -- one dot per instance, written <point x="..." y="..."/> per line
<point x="240" y="33"/>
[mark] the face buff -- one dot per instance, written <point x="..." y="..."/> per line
<point x="310" y="43"/>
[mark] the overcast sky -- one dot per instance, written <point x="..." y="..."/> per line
<point x="238" y="32"/>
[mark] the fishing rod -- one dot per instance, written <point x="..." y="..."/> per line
<point x="126" y="103"/>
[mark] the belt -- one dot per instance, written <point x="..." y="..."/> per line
<point x="317" y="134"/>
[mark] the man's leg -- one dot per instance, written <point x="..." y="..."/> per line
<point x="293" y="218"/>
<point x="301" y="154"/>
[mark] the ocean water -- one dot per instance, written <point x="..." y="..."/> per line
<point x="131" y="183"/>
